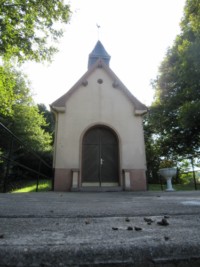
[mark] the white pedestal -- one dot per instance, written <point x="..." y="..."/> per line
<point x="169" y="184"/>
<point x="168" y="173"/>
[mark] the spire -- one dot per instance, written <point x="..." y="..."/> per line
<point x="98" y="52"/>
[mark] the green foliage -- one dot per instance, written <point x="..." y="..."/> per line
<point x="20" y="114"/>
<point x="7" y="96"/>
<point x="27" y="28"/>
<point x="13" y="89"/>
<point x="49" y="117"/>
<point x="27" y="123"/>
<point x="186" y="178"/>
<point x="152" y="151"/>
<point x="166" y="163"/>
<point x="190" y="23"/>
<point x="172" y="129"/>
<point x="175" y="113"/>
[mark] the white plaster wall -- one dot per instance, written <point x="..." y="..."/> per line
<point x="99" y="104"/>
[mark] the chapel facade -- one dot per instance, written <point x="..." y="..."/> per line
<point x="99" y="139"/>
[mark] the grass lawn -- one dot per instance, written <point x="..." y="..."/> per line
<point x="177" y="187"/>
<point x="44" y="185"/>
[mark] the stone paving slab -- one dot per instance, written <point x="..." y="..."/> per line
<point x="100" y="229"/>
<point x="78" y="204"/>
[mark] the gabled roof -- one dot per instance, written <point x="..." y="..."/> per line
<point x="59" y="104"/>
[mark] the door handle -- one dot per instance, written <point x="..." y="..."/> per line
<point x="101" y="161"/>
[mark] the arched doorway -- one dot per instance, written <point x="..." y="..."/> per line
<point x="100" y="157"/>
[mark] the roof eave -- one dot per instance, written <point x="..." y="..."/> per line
<point x="140" y="112"/>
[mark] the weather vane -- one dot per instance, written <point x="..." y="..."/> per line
<point x="98" y="30"/>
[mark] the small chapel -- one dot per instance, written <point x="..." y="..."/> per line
<point x="99" y="139"/>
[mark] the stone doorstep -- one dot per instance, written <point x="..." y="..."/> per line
<point x="98" y="189"/>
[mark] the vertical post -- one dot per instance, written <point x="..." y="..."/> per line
<point x="38" y="177"/>
<point x="8" y="166"/>
<point x="194" y="177"/>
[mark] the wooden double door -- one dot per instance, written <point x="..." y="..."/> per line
<point x="100" y="157"/>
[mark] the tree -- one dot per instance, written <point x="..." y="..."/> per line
<point x="49" y="117"/>
<point x="7" y="96"/>
<point x="20" y="114"/>
<point x="27" y="27"/>
<point x="175" y="113"/>
<point x="152" y="151"/>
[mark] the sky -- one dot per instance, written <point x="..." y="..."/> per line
<point x="136" y="33"/>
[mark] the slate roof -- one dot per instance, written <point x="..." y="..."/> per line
<point x="98" y="52"/>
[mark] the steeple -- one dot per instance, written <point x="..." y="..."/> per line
<point x="98" y="52"/>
